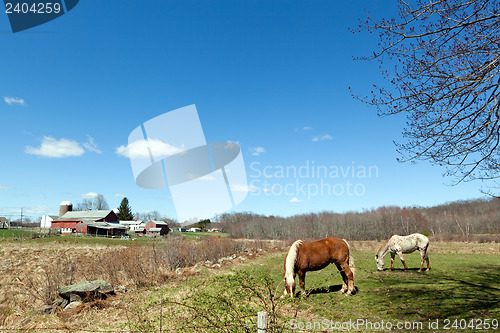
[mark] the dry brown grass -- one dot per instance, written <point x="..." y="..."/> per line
<point x="31" y="273"/>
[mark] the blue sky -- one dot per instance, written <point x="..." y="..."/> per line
<point x="272" y="76"/>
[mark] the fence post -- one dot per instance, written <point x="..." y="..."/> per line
<point x="262" y="322"/>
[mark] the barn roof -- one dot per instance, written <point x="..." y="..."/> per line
<point x="105" y="225"/>
<point x="87" y="214"/>
<point x="3" y="219"/>
<point x="131" y="222"/>
<point x="159" y="222"/>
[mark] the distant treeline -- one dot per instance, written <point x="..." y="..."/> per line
<point x="474" y="220"/>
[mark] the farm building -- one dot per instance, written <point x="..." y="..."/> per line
<point x="46" y="220"/>
<point x="70" y="219"/>
<point x="154" y="232"/>
<point x="103" y="229"/>
<point x="158" y="224"/>
<point x="140" y="232"/>
<point x="194" y="230"/>
<point x="4" y="223"/>
<point x="133" y="225"/>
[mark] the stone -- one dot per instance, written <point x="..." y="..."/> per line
<point x="72" y="305"/>
<point x="61" y="302"/>
<point x="85" y="290"/>
<point x="121" y="289"/>
<point x="46" y="309"/>
<point x="74" y="298"/>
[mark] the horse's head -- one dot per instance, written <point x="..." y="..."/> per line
<point x="380" y="262"/>
<point x="289" y="284"/>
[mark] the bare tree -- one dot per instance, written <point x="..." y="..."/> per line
<point x="97" y="203"/>
<point x="100" y="202"/>
<point x="446" y="56"/>
<point x="85" y="204"/>
<point x="147" y="216"/>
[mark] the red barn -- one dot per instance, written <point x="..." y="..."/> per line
<point x="76" y="221"/>
<point x="164" y="229"/>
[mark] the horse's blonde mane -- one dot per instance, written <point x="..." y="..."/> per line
<point x="291" y="257"/>
<point x="384" y="246"/>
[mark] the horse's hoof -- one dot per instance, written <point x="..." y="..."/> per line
<point x="419" y="270"/>
<point x="341" y="291"/>
<point x="428" y="269"/>
<point x="348" y="293"/>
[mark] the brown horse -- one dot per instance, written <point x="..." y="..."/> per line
<point x="312" y="256"/>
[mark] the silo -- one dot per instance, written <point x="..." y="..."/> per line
<point x="64" y="207"/>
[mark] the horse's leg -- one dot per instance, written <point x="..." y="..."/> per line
<point x="400" y="255"/>
<point x="346" y="271"/>
<point x="422" y="259"/>
<point x="302" y="281"/>
<point x="392" y="260"/>
<point x="344" y="279"/>
<point x="427" y="259"/>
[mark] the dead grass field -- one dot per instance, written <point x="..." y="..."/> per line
<point x="29" y="269"/>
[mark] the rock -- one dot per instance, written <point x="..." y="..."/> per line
<point x="208" y="263"/>
<point x="85" y="290"/>
<point x="72" y="305"/>
<point x="121" y="289"/>
<point x="47" y="309"/>
<point x="104" y="286"/>
<point x="61" y="302"/>
<point x="178" y="271"/>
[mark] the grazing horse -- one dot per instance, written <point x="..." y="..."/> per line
<point x="312" y="256"/>
<point x="403" y="244"/>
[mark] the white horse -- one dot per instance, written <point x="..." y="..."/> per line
<point x="403" y="244"/>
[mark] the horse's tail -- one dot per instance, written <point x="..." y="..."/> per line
<point x="426" y="250"/>
<point x="351" y="260"/>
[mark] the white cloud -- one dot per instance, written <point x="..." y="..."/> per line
<point x="119" y="195"/>
<point x="14" y="100"/>
<point x="89" y="195"/>
<point x="207" y="177"/>
<point x="244" y="188"/>
<point x="322" y="138"/>
<point x="5" y="187"/>
<point x="305" y="128"/>
<point x="257" y="151"/>
<point x="139" y="149"/>
<point x="38" y="210"/>
<point x="52" y="148"/>
<point x="270" y="189"/>
<point x="295" y="200"/>
<point x="91" y="146"/>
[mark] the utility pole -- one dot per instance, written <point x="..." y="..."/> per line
<point x="21" y="217"/>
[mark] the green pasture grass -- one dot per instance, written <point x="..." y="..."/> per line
<point x="198" y="235"/>
<point x="458" y="287"/>
<point x="9" y="234"/>
<point x="25" y="236"/>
